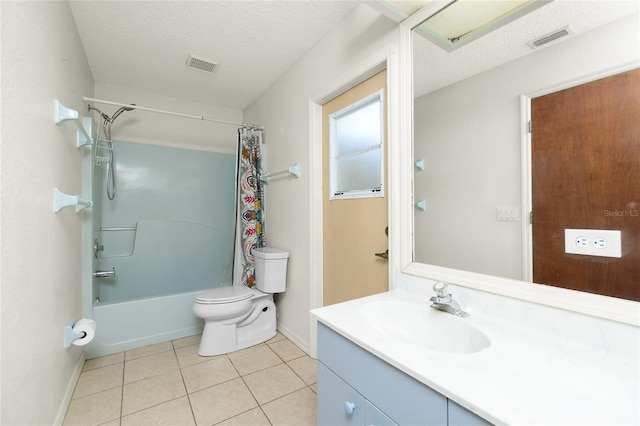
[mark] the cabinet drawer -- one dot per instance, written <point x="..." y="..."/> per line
<point x="405" y="400"/>
<point x="333" y="395"/>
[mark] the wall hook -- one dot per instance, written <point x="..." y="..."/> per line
<point x="62" y="200"/>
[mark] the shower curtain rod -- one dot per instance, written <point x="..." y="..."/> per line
<point x="197" y="117"/>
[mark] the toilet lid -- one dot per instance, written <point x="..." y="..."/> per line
<point x="224" y="294"/>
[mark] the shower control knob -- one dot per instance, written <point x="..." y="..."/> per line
<point x="96" y="248"/>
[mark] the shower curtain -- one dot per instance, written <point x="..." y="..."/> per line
<point x="250" y="197"/>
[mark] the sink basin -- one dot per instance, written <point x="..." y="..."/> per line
<point x="423" y="326"/>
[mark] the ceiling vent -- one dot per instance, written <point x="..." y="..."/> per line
<point x="546" y="39"/>
<point x="202" y="64"/>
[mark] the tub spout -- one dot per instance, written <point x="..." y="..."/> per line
<point x="105" y="274"/>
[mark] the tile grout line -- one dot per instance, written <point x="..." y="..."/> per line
<point x="282" y="396"/>
<point x="124" y="359"/>
<point x="249" y="389"/>
<point x="186" y="391"/>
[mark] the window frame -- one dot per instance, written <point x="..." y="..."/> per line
<point x="376" y="192"/>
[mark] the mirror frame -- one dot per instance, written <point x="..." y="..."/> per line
<point x="402" y="210"/>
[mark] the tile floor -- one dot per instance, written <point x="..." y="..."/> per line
<point x="170" y="384"/>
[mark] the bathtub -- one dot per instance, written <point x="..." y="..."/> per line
<point x="134" y="323"/>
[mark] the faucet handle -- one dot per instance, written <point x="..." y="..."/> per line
<point x="441" y="289"/>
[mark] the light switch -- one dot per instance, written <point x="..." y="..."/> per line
<point x="508" y="214"/>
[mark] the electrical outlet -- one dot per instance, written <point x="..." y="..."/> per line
<point x="593" y="242"/>
<point x="600" y="243"/>
<point x="582" y="241"/>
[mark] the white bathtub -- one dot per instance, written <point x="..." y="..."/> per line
<point x="131" y="324"/>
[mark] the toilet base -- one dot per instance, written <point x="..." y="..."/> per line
<point x="223" y="337"/>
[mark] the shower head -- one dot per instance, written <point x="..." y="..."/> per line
<point x="111" y="119"/>
<point x="120" y="111"/>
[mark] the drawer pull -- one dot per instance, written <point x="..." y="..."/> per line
<point x="349" y="407"/>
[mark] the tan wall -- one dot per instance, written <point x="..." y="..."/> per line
<point x="353" y="229"/>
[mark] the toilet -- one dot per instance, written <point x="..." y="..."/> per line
<point x="236" y="317"/>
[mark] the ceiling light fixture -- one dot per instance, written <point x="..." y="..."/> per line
<point x="465" y="20"/>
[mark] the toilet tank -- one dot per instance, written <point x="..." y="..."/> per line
<point x="271" y="269"/>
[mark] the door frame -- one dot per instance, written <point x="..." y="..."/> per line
<point x="525" y="135"/>
<point x="357" y="74"/>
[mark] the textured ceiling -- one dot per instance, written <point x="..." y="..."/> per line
<point x="435" y="68"/>
<point x="145" y="44"/>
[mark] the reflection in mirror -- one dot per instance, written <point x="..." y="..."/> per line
<point x="470" y="130"/>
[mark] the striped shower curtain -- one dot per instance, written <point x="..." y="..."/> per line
<point x="250" y="197"/>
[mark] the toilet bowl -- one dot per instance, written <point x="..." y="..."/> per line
<point x="236" y="317"/>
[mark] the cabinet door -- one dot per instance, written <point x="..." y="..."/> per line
<point x="375" y="417"/>
<point x="460" y="416"/>
<point x="338" y="403"/>
<point x="401" y="397"/>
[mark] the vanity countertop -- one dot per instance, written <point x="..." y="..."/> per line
<point x="526" y="376"/>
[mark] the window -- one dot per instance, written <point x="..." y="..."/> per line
<point x="356" y="150"/>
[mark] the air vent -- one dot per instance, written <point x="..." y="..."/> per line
<point x="201" y="64"/>
<point x="546" y="39"/>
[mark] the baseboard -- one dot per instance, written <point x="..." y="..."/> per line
<point x="68" y="394"/>
<point x="294" y="338"/>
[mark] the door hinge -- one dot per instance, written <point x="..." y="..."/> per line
<point x="531" y="217"/>
<point x="529" y="126"/>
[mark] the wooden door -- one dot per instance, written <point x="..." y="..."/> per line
<point x="353" y="229"/>
<point x="586" y="175"/>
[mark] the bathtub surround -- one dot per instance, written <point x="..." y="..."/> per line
<point x="168" y="198"/>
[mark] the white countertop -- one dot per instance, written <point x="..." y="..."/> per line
<point x="527" y="375"/>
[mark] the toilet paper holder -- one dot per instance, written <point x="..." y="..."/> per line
<point x="70" y="334"/>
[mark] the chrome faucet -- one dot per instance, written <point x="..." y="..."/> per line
<point x="444" y="302"/>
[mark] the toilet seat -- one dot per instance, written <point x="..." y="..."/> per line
<point x="226" y="294"/>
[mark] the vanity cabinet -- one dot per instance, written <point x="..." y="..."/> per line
<point x="356" y="387"/>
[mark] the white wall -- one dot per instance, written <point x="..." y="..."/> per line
<point x="284" y="111"/>
<point x="162" y="129"/>
<point x="469" y="136"/>
<point x="42" y="59"/>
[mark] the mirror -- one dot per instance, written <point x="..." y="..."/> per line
<point x="470" y="118"/>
